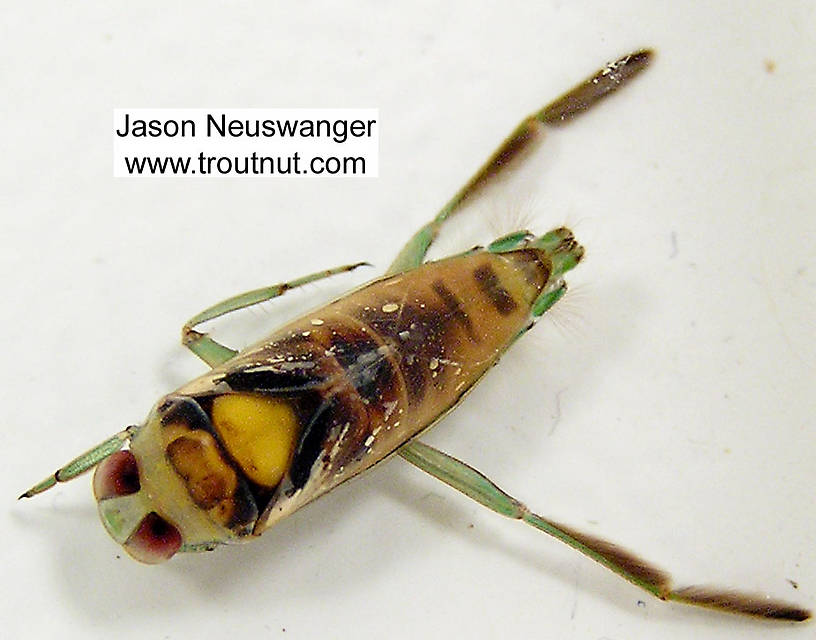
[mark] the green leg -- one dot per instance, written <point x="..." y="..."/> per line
<point x="214" y="353"/>
<point x="83" y="463"/>
<point x="548" y="298"/>
<point x="575" y="101"/>
<point x="477" y="486"/>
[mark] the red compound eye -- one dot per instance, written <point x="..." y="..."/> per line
<point x="117" y="475"/>
<point x="154" y="541"/>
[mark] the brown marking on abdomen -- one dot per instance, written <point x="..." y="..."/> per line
<point x="455" y="307"/>
<point x="490" y="286"/>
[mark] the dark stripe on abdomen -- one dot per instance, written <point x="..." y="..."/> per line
<point x="490" y="286"/>
<point x="454" y="306"/>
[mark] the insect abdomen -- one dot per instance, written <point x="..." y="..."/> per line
<point x="389" y="359"/>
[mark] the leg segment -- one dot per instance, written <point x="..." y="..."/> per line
<point x="562" y="110"/>
<point x="480" y="488"/>
<point x="82" y="463"/>
<point x="214" y="353"/>
<point x="210" y="351"/>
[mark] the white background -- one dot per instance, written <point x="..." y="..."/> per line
<point x="669" y="405"/>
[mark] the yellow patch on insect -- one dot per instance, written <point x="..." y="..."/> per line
<point x="258" y="432"/>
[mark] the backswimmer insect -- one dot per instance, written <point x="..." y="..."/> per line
<point x="275" y="426"/>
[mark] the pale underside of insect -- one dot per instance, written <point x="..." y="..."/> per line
<point x="275" y="426"/>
